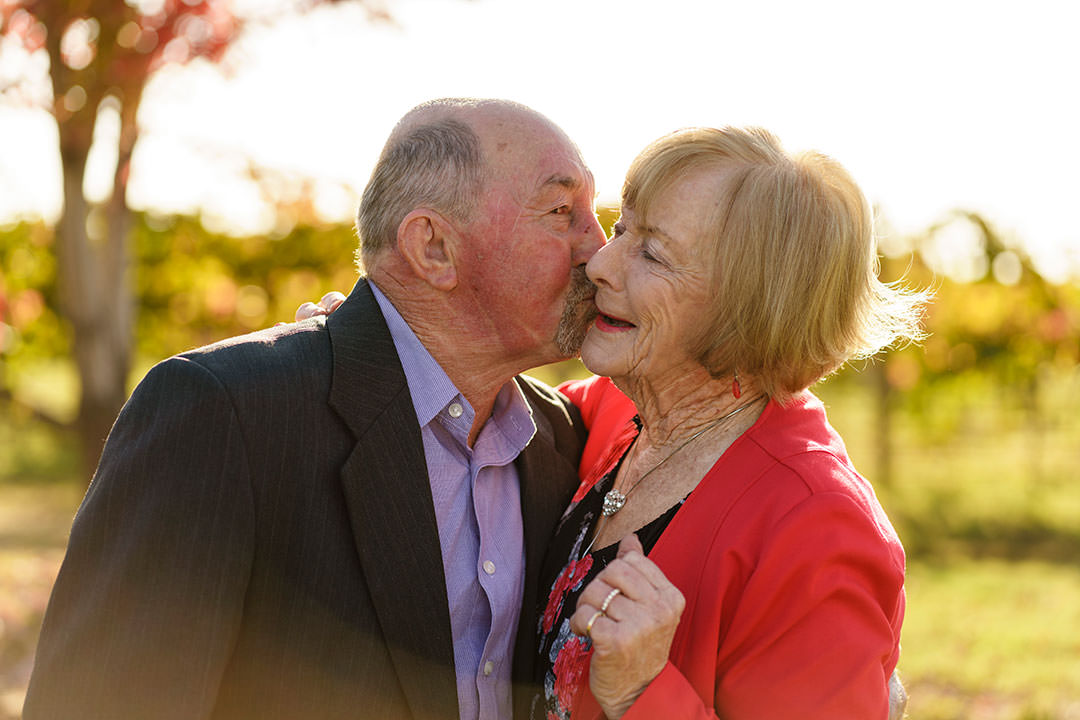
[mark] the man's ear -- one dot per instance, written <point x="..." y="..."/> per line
<point x="427" y="242"/>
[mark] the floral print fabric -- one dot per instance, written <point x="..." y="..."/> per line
<point x="564" y="656"/>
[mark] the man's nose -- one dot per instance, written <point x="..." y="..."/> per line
<point x="592" y="239"/>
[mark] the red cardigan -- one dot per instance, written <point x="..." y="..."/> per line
<point x="792" y="573"/>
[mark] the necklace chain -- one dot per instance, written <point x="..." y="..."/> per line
<point x="614" y="499"/>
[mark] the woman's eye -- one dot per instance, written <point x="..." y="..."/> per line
<point x="616" y="230"/>
<point x="647" y="255"/>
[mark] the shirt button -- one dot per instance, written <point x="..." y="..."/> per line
<point x="489" y="667"/>
<point x="456" y="410"/>
<point x="489" y="567"/>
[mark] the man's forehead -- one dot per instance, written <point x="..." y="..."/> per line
<point x="543" y="172"/>
<point x="532" y="153"/>
<point x="582" y="178"/>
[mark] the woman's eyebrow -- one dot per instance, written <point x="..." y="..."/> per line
<point x="655" y="230"/>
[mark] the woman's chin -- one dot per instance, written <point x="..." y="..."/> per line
<point x="593" y="355"/>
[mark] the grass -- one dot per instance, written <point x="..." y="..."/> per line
<point x="992" y="639"/>
<point x="34" y="524"/>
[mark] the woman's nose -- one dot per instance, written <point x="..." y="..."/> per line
<point x="601" y="266"/>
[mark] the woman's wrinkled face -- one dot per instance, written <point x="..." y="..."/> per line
<point x="653" y="285"/>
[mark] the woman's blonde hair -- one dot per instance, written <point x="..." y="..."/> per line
<point x="792" y="259"/>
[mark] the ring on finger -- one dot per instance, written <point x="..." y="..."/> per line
<point x="588" y="625"/>
<point x="607" y="601"/>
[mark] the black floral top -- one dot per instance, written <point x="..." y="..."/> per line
<point x="565" y="656"/>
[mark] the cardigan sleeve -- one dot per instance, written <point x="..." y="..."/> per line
<point x="815" y="631"/>
<point x="147" y="605"/>
<point x="669" y="695"/>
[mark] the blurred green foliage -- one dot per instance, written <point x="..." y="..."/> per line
<point x="1009" y="341"/>
<point x="28" y="299"/>
<point x="195" y="287"/>
<point x="192" y="287"/>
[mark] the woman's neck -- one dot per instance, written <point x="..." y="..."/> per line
<point x="687" y="425"/>
<point x="675" y="408"/>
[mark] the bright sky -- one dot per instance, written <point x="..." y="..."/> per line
<point x="932" y="104"/>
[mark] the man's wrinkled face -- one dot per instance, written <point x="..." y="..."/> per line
<point x="534" y="230"/>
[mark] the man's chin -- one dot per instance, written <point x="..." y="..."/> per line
<point x="573" y="328"/>
<point x="578" y="314"/>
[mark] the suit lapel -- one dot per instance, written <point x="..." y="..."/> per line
<point x="388" y="495"/>
<point x="540" y="469"/>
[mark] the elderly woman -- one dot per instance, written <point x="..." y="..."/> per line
<point x="723" y="557"/>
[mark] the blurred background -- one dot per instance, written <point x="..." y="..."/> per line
<point x="173" y="172"/>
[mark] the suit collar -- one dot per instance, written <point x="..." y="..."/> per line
<point x="367" y="374"/>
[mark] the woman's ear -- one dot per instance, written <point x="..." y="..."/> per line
<point x="427" y="243"/>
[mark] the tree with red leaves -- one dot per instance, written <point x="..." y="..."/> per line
<point x="105" y="51"/>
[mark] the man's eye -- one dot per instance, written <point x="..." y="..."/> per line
<point x="561" y="210"/>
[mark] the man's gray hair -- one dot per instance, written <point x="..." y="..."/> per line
<point x="432" y="159"/>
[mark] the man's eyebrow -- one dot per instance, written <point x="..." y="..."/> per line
<point x="562" y="181"/>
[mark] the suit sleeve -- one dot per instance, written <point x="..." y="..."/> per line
<point x="816" y="630"/>
<point x="148" y="601"/>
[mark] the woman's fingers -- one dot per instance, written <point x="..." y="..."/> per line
<point x="636" y="575"/>
<point x="309" y="310"/>
<point x="588" y="605"/>
<point x="648" y="571"/>
<point x="328" y="304"/>
<point x="632" y="638"/>
<point x="629" y="544"/>
<point x="631" y="585"/>
<point x="631" y="589"/>
<point x="331" y="300"/>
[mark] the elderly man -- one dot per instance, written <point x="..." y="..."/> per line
<point x="344" y="518"/>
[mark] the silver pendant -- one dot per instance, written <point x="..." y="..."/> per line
<point x="613" y="502"/>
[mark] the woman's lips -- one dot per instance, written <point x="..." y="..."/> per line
<point x="610" y="323"/>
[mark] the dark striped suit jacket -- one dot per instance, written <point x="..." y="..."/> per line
<point x="259" y="540"/>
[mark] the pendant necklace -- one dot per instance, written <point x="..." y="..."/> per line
<point x="614" y="500"/>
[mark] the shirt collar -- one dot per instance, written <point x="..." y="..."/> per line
<point x="433" y="392"/>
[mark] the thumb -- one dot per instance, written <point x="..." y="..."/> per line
<point x="630" y="544"/>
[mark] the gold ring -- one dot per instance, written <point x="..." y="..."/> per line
<point x="607" y="601"/>
<point x="588" y="625"/>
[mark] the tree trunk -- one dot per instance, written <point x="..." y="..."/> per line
<point x="92" y="262"/>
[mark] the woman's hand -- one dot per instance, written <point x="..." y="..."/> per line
<point x="327" y="305"/>
<point x="632" y="637"/>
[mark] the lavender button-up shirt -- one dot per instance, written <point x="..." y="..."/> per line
<point x="478" y="511"/>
